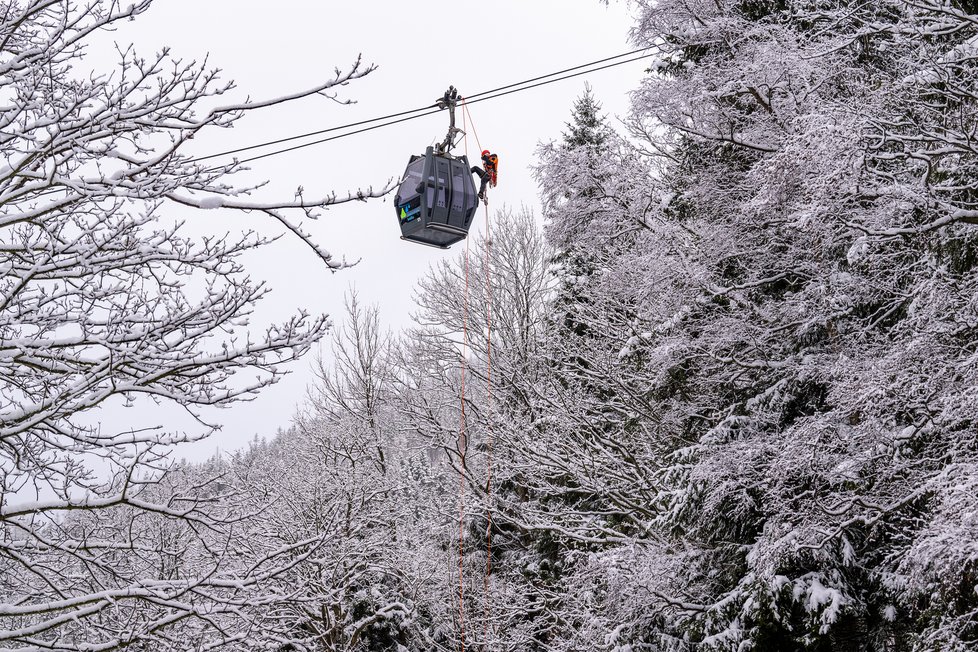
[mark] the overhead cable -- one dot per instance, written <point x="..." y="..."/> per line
<point x="430" y="109"/>
<point x="483" y="96"/>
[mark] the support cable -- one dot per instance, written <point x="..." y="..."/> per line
<point x="478" y="97"/>
<point x="427" y="110"/>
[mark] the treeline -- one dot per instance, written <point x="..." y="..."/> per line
<point x="726" y="399"/>
<point x="733" y="390"/>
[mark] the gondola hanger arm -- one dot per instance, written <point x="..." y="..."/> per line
<point x="449" y="101"/>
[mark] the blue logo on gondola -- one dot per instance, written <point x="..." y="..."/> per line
<point x="409" y="215"/>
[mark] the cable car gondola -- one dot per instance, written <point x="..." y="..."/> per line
<point x="437" y="199"/>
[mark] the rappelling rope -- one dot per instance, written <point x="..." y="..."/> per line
<point x="489" y="436"/>
<point x="463" y="444"/>
<point x="487" y="605"/>
<point x="465" y="112"/>
<point x="462" y="447"/>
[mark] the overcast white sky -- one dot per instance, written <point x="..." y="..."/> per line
<point x="274" y="48"/>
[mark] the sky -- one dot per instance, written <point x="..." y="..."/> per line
<point x="273" y="49"/>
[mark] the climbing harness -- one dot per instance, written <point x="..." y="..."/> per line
<point x="491" y="164"/>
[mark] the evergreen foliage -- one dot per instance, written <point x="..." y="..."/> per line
<point x="733" y="380"/>
<point x="734" y="401"/>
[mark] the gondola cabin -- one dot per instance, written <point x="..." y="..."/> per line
<point x="437" y="199"/>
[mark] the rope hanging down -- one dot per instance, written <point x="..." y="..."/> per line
<point x="489" y="434"/>
<point x="486" y="270"/>
<point x="463" y="447"/>
<point x="487" y="603"/>
<point x="463" y="443"/>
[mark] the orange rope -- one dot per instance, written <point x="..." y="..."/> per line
<point x="475" y="133"/>
<point x="489" y="434"/>
<point x="463" y="445"/>
<point x="487" y="605"/>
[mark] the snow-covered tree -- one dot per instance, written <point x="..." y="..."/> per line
<point x="801" y="302"/>
<point x="732" y="392"/>
<point x="106" y="300"/>
<point x="508" y="284"/>
<point x="768" y="418"/>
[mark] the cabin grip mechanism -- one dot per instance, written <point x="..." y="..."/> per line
<point x="449" y="101"/>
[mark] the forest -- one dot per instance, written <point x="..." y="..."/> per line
<point x="722" y="395"/>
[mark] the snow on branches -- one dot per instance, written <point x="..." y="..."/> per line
<point x="105" y="298"/>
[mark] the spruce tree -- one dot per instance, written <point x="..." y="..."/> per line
<point x="799" y="302"/>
